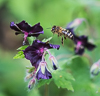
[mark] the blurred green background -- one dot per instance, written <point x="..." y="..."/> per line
<point x="48" y="13"/>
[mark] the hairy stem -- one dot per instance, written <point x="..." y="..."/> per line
<point x="46" y="90"/>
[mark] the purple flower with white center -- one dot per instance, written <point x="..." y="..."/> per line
<point x="81" y="43"/>
<point x="36" y="52"/>
<point x="26" y="29"/>
<point x="43" y="72"/>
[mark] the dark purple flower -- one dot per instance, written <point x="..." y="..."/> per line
<point x="81" y="43"/>
<point x="43" y="72"/>
<point x="26" y="29"/>
<point x="35" y="52"/>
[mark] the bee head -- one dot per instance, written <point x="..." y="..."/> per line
<point x="53" y="29"/>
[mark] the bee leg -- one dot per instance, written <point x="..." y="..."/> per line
<point x="47" y="42"/>
<point x="53" y="32"/>
<point x="62" y="41"/>
<point x="65" y="38"/>
<point x="58" y="34"/>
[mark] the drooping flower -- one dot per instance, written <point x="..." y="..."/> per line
<point x="81" y="43"/>
<point x="43" y="72"/>
<point x="95" y="68"/>
<point x="35" y="53"/>
<point x="26" y="29"/>
<point x="75" y="23"/>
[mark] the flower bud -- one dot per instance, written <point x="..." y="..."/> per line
<point x="31" y="83"/>
<point x="53" y="62"/>
<point x="95" y="68"/>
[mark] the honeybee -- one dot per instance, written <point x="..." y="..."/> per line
<point x="62" y="32"/>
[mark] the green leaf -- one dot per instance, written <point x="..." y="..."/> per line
<point x="45" y="40"/>
<point x="61" y="79"/>
<point x="30" y="69"/>
<point x="19" y="55"/>
<point x="22" y="47"/>
<point x="31" y="39"/>
<point x="43" y="82"/>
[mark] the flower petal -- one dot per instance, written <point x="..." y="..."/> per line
<point x="25" y="27"/>
<point x="75" y="23"/>
<point x="30" y="54"/>
<point x="79" y="51"/>
<point x="40" y="75"/>
<point x="82" y="38"/>
<point x="37" y="29"/>
<point x="40" y="44"/>
<point x="90" y="46"/>
<point x="14" y="27"/>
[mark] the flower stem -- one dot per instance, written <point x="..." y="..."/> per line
<point x="46" y="90"/>
<point x="89" y="58"/>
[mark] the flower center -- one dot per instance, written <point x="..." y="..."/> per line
<point x="79" y="43"/>
<point x="78" y="46"/>
<point x="41" y="50"/>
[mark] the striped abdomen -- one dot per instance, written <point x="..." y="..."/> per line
<point x="67" y="33"/>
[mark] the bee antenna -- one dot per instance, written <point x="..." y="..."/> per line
<point x="51" y="24"/>
<point x="48" y="28"/>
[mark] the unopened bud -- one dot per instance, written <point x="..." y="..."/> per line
<point x="31" y="83"/>
<point x="53" y="62"/>
<point x="28" y="76"/>
<point x="95" y="68"/>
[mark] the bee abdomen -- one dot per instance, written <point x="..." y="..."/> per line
<point x="68" y="34"/>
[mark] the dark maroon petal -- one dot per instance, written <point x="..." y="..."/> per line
<point x="16" y="33"/>
<point x="13" y="26"/>
<point x="79" y="51"/>
<point x="90" y="46"/>
<point x="82" y="39"/>
<point x="36" y="29"/>
<point x="40" y="44"/>
<point x="32" y="55"/>
<point x="40" y="75"/>
<point x="25" y="27"/>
